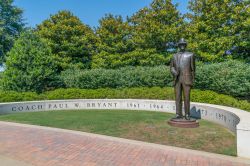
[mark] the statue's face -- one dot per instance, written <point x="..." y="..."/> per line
<point x="182" y="47"/>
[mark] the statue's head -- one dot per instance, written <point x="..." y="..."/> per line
<point x="182" y="44"/>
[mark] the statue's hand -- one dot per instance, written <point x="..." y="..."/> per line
<point x="193" y="79"/>
<point x="176" y="73"/>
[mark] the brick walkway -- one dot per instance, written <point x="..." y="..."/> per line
<point x="44" y="146"/>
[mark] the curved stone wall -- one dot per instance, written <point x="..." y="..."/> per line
<point x="238" y="121"/>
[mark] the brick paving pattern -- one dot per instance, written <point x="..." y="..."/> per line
<point x="43" y="146"/>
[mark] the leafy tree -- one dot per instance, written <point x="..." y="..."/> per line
<point x="30" y="65"/>
<point x="114" y="35"/>
<point x="138" y="57"/>
<point x="156" y="25"/>
<point x="242" y="21"/>
<point x="71" y="41"/>
<point x="218" y="28"/>
<point x="114" y="40"/>
<point x="11" y="24"/>
<point x="140" y="41"/>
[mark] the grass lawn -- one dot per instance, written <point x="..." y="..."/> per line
<point x="138" y="125"/>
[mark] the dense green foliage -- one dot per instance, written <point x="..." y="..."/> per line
<point x="156" y="25"/>
<point x="70" y="40"/>
<point x="216" y="30"/>
<point x="29" y="65"/>
<point x="119" y="78"/>
<point x="116" y="47"/>
<point x="10" y="26"/>
<point x="140" y="41"/>
<point x="145" y="57"/>
<point x="137" y="57"/>
<point x="219" y="28"/>
<point x="126" y="93"/>
<point x="128" y="53"/>
<point x="230" y="77"/>
<point x="113" y="34"/>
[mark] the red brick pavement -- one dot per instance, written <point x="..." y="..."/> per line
<point x="44" y="146"/>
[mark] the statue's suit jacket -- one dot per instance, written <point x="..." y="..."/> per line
<point x="183" y="68"/>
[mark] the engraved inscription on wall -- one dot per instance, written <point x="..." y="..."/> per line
<point x="209" y="113"/>
<point x="35" y="107"/>
<point x="92" y="105"/>
<point x="220" y="116"/>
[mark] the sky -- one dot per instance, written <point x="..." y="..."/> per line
<point x="89" y="11"/>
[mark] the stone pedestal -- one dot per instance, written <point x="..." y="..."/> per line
<point x="183" y="123"/>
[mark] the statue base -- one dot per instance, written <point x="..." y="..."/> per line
<point x="183" y="123"/>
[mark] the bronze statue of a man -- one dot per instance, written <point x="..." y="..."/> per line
<point x="183" y="69"/>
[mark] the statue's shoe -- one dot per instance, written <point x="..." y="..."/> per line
<point x="187" y="117"/>
<point x="179" y="116"/>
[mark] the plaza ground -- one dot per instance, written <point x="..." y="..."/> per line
<point x="146" y="126"/>
<point x="40" y="146"/>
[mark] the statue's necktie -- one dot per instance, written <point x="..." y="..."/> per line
<point x="178" y="61"/>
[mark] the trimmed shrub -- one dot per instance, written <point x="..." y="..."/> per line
<point x="12" y="96"/>
<point x="230" y="78"/>
<point x="126" y="93"/>
<point x="119" y="78"/>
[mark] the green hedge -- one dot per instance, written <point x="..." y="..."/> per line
<point x="117" y="78"/>
<point x="12" y="96"/>
<point x="133" y="93"/>
<point x="230" y="78"/>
